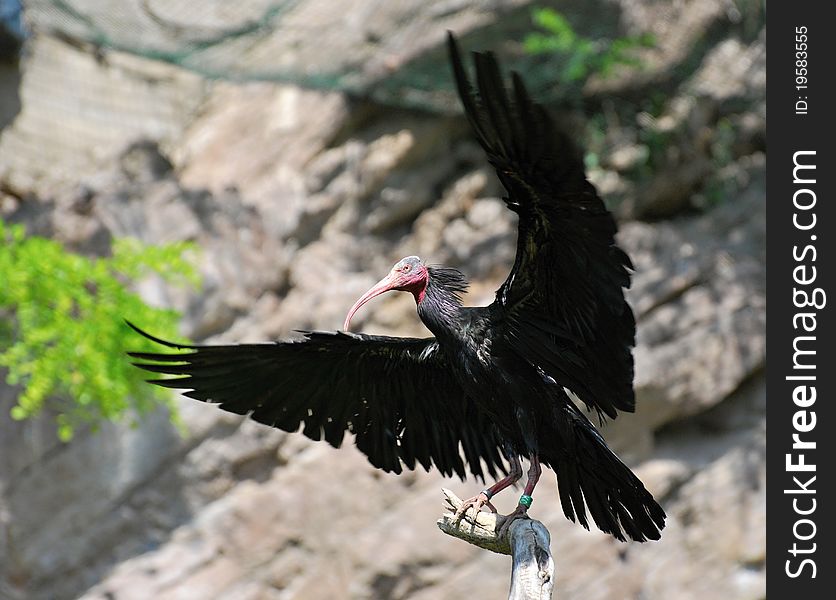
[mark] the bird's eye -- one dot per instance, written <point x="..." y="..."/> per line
<point x="406" y="268"/>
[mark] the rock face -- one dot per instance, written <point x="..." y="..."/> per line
<point x="300" y="200"/>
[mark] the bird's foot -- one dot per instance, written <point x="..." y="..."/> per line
<point x="478" y="501"/>
<point x="521" y="512"/>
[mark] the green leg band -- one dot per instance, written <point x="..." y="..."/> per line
<point x="526" y="501"/>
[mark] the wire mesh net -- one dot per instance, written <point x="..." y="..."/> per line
<point x="389" y="51"/>
<point x="97" y="74"/>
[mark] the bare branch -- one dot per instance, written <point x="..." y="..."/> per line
<point x="527" y="541"/>
<point x="532" y="576"/>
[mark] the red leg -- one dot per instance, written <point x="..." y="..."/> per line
<point x="483" y="498"/>
<point x="525" y="500"/>
<point x="533" y="475"/>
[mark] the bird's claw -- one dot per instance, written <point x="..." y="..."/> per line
<point x="519" y="513"/>
<point x="478" y="501"/>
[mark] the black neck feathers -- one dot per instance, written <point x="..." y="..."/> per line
<point x="441" y="305"/>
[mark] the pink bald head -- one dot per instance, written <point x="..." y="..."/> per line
<point x="408" y="275"/>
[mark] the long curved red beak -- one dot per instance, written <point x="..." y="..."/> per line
<point x="381" y="287"/>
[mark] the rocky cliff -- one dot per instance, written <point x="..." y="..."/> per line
<point x="300" y="199"/>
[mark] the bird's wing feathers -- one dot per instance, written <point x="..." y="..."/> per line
<point x="396" y="395"/>
<point x="562" y="306"/>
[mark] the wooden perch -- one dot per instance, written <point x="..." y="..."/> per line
<point x="527" y="541"/>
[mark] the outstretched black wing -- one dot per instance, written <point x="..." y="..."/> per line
<point x="562" y="307"/>
<point x="396" y="395"/>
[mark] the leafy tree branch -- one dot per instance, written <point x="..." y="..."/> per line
<point x="62" y="334"/>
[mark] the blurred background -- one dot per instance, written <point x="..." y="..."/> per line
<point x="275" y="159"/>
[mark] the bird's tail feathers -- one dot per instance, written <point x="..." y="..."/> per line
<point x="589" y="474"/>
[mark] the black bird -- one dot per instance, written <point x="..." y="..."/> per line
<point x="491" y="386"/>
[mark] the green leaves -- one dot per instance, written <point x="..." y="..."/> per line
<point x="62" y="332"/>
<point x="560" y="37"/>
<point x="584" y="57"/>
